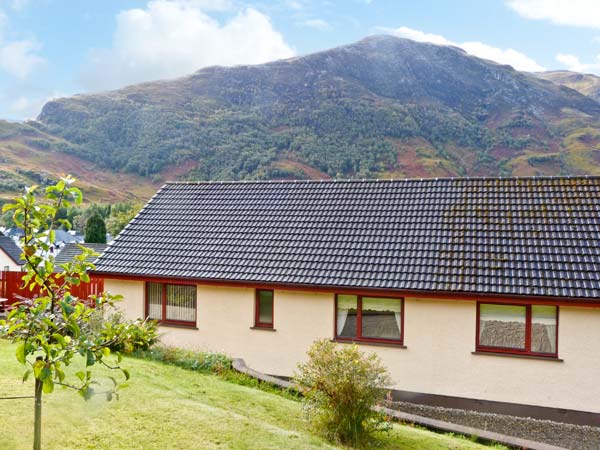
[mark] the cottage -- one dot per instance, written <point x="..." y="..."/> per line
<point x="10" y="254"/>
<point x="480" y="292"/>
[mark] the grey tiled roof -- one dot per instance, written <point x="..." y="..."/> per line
<point x="527" y="236"/>
<point x="70" y="251"/>
<point x="8" y="246"/>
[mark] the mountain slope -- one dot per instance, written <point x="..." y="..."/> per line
<point x="384" y="106"/>
<point x="585" y="83"/>
<point x="27" y="158"/>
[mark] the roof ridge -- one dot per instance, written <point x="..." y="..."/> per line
<point x="371" y="180"/>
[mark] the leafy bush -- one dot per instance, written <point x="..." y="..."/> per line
<point x="139" y="338"/>
<point x="341" y="386"/>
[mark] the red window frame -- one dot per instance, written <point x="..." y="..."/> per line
<point x="528" y="321"/>
<point x="163" y="319"/>
<point x="257" y="322"/>
<point x="359" y="337"/>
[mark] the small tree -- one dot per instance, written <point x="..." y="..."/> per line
<point x="340" y="387"/>
<point x="54" y="327"/>
<point x="120" y="216"/>
<point x="95" y="230"/>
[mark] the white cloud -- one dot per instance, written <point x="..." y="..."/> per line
<point x="318" y="24"/>
<point x="509" y="56"/>
<point x="20" y="58"/>
<point x="579" y="13"/>
<point x="572" y="62"/>
<point x="295" y="5"/>
<point x="420" y="36"/>
<point x="25" y="107"/>
<point x="175" y="38"/>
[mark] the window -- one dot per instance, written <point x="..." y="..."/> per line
<point x="263" y="314"/>
<point x="522" y="329"/>
<point x="171" y="303"/>
<point x="370" y="319"/>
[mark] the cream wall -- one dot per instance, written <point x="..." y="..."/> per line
<point x="6" y="260"/>
<point x="439" y="336"/>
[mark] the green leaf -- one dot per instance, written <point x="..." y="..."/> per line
<point x="21" y="352"/>
<point x="106" y="352"/>
<point x="48" y="386"/>
<point x="80" y="375"/>
<point x="126" y="373"/>
<point x="45" y="373"/>
<point x="90" y="358"/>
<point x="87" y="393"/>
<point x="37" y="368"/>
<point x="26" y="375"/>
<point x="60" y="374"/>
<point x="60" y="339"/>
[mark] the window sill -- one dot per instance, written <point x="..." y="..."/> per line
<point x="177" y="325"/>
<point x="374" y="344"/>
<point x="263" y="328"/>
<point x="518" y="355"/>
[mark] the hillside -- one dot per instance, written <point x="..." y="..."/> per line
<point x="585" y="83"/>
<point x="382" y="107"/>
<point x="28" y="157"/>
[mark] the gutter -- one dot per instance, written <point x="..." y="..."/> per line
<point x="425" y="294"/>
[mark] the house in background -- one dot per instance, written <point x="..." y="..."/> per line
<point x="481" y="292"/>
<point x="10" y="255"/>
<point x="68" y="253"/>
<point x="62" y="238"/>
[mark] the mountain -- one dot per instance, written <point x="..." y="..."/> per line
<point x="381" y="107"/>
<point x="585" y="83"/>
<point x="29" y="156"/>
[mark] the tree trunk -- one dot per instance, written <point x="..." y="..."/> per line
<point x="37" y="425"/>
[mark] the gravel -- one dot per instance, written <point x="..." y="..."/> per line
<point x="576" y="437"/>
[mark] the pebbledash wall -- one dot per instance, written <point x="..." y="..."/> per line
<point x="439" y="336"/>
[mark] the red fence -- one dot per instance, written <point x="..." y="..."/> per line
<point x="11" y="284"/>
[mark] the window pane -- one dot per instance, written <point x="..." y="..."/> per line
<point x="346" y="315"/>
<point x="181" y="303"/>
<point x="381" y="317"/>
<point x="154" y="293"/>
<point x="265" y="307"/>
<point x="543" y="329"/>
<point x="502" y="326"/>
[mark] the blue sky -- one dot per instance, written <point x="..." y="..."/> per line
<point x="52" y="48"/>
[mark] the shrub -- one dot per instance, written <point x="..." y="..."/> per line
<point x="141" y="337"/>
<point x="341" y="386"/>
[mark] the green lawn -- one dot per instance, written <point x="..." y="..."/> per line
<point x="166" y="407"/>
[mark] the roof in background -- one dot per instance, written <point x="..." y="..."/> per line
<point x="511" y="236"/>
<point x="66" y="237"/>
<point x="8" y="246"/>
<point x="70" y="251"/>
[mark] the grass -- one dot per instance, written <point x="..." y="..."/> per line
<point x="167" y="407"/>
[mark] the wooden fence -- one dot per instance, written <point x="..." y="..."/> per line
<point x="11" y="287"/>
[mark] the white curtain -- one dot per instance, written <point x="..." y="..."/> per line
<point x="551" y="330"/>
<point x="397" y="315"/>
<point x="342" y="315"/>
<point x="344" y="304"/>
